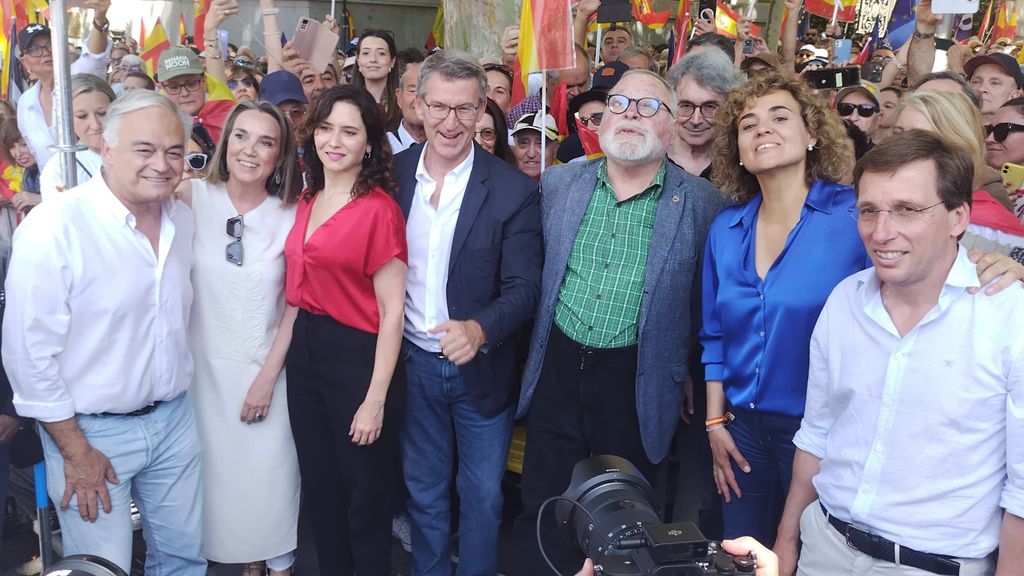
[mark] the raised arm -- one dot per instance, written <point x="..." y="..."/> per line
<point x="220" y="11"/>
<point x="921" y="57"/>
<point x="788" y="54"/>
<point x="271" y="36"/>
<point x="581" y="22"/>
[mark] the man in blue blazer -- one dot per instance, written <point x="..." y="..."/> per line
<point x="475" y="258"/>
<point x="623" y="238"/>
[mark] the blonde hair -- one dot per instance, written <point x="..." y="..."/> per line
<point x="952" y="116"/>
<point x="830" y="160"/>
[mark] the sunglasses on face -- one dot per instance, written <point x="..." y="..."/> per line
<point x="1002" y="130"/>
<point x="233" y="252"/>
<point x="244" y="63"/>
<point x="196" y="161"/>
<point x="863" y="110"/>
<point x="592" y="121"/>
<point x="244" y="82"/>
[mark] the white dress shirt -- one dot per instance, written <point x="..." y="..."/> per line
<point x="87" y="163"/>
<point x="96" y="320"/>
<point x="921" y="438"/>
<point x="32" y="122"/>
<point x="403" y="141"/>
<point x="429" y="233"/>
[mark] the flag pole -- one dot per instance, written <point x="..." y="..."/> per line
<point x="835" y="11"/>
<point x="597" y="46"/>
<point x="66" y="143"/>
<point x="332" y="9"/>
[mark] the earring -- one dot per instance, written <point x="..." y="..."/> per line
<point x="741" y="162"/>
<point x="277" y="176"/>
<point x="367" y="155"/>
<point x="810" y="147"/>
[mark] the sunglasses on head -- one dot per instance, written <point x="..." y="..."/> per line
<point x="196" y="161"/>
<point x="863" y="110"/>
<point x="1000" y="131"/>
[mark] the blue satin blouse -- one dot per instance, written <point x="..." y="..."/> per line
<point x="757" y="333"/>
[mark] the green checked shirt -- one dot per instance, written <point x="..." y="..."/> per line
<point x="599" y="301"/>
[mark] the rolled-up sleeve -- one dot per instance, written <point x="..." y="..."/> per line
<point x="37" y="318"/>
<point x="95" y="64"/>
<point x="818" y="417"/>
<point x="713" y="356"/>
<point x="1012" y="499"/>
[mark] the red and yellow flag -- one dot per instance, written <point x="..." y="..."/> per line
<point x="553" y="18"/>
<point x="182" y="33"/>
<point x="199" y="20"/>
<point x="726" y="19"/>
<point x="643" y="11"/>
<point x="156" y="43"/>
<point x="1006" y="22"/>
<point x="436" y="37"/>
<point x="825" y="9"/>
<point x="142" y="34"/>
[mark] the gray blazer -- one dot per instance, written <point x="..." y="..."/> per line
<point x="669" y="309"/>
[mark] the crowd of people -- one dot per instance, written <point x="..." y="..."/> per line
<point x="273" y="286"/>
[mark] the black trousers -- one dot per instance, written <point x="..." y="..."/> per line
<point x="584" y="404"/>
<point x="348" y="489"/>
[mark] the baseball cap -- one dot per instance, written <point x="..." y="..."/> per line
<point x="177" y="61"/>
<point x="1005" y="61"/>
<point x="282" y="86"/>
<point x="545" y="124"/>
<point x="609" y="74"/>
<point x="806" y="48"/>
<point x="767" y="58"/>
<point x="28" y="33"/>
<point x="866" y="88"/>
<point x="821" y="53"/>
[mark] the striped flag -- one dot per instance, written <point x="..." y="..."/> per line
<point x="825" y="9"/>
<point x="1006" y="21"/>
<point x="986" y="21"/>
<point x="680" y="33"/>
<point x="643" y="11"/>
<point x="554" y="18"/>
<point x="589" y="140"/>
<point x="11" y="66"/>
<point x="202" y="7"/>
<point x="182" y="33"/>
<point x="436" y="37"/>
<point x="156" y="43"/>
<point x="726" y="19"/>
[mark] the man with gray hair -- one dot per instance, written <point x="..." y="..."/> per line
<point x="701" y="81"/>
<point x="608" y="356"/>
<point x="95" y="346"/>
<point x="473" y="228"/>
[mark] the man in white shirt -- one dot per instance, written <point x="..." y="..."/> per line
<point x="410" y="130"/>
<point x="35" y="106"/>
<point x="910" y="457"/>
<point x="94" y="344"/>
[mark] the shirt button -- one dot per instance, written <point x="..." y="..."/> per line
<point x="613" y="234"/>
<point x="752" y="405"/>
<point x="590" y="328"/>
<point x="762" y="333"/>
<point x="760" y="295"/>
<point x="598" y="297"/>
<point x="605" y="265"/>
<point x="757" y="370"/>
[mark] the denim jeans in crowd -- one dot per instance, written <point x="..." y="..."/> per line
<point x="156" y="459"/>
<point x="439" y="420"/>
<point x="766" y="441"/>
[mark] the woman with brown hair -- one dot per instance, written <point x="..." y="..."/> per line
<point x="770" y="263"/>
<point x="239" y="333"/>
<point x="346" y="275"/>
<point x="377" y="71"/>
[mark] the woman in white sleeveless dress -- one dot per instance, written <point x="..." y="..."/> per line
<point x="240" y="330"/>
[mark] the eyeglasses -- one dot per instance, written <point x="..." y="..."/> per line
<point x="196" y="161"/>
<point x="244" y="63"/>
<point x="37" y="50"/>
<point x="189" y="85"/>
<point x="233" y="252"/>
<point x="900" y="215"/>
<point x="487" y="134"/>
<point x="440" y="111"/>
<point x="707" y="109"/>
<point x="1002" y="130"/>
<point x="246" y="82"/>
<point x="863" y="110"/>
<point x="594" y="119"/>
<point x="645" y="107"/>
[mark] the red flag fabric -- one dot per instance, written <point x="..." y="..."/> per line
<point x="985" y="22"/>
<point x="559" y="109"/>
<point x="1006" y="22"/>
<point x="590" y="141"/>
<point x="181" y="30"/>
<point x="680" y="32"/>
<point x="644" y="13"/>
<point x="825" y="9"/>
<point x="553" y="19"/>
<point x="142" y="34"/>
<point x="726" y="19"/>
<point x="202" y="7"/>
<point x="518" y="84"/>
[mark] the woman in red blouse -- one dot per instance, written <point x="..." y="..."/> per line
<point x="346" y="259"/>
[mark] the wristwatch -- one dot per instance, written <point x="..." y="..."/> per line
<point x="102" y="29"/>
<point x="923" y="35"/>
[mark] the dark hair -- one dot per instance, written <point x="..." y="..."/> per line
<point x="717" y="40"/>
<point x="144" y="77"/>
<point x="894" y="89"/>
<point x="954" y="168"/>
<point x="288" y="180"/>
<point x="392" y="112"/>
<point x="376" y="171"/>
<point x="857" y="138"/>
<point x="9" y="136"/>
<point x="501" y="148"/>
<point x="239" y="73"/>
<point x="409" y="56"/>
<point x="953" y="76"/>
<point x="1017" y="103"/>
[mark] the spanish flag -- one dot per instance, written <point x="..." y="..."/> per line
<point x="825" y="9"/>
<point x="556" y="52"/>
<point x="199" y="20"/>
<point x="1006" y="21"/>
<point x="182" y="33"/>
<point x="726" y="19"/>
<point x="436" y="37"/>
<point x="643" y="11"/>
<point x="156" y="43"/>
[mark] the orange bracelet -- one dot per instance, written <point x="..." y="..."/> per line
<point x="725" y="419"/>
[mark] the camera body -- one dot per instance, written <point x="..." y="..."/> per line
<point x="620" y="530"/>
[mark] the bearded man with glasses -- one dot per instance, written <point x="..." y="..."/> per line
<point x="607" y="358"/>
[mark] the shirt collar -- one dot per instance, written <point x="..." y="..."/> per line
<point x="98" y="188"/>
<point x="962" y="275"/>
<point x="458" y="172"/>
<point x="656" y="186"/>
<point x="820" y="198"/>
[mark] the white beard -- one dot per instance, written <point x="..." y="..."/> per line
<point x="632" y="149"/>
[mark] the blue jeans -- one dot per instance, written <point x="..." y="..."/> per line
<point x="156" y="458"/>
<point x="440" y="419"/>
<point x="766" y="441"/>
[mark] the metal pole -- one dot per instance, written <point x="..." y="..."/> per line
<point x="344" y="17"/>
<point x="66" y="142"/>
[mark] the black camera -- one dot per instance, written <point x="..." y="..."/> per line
<point x="607" y="510"/>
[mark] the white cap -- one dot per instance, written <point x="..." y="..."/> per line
<point x="806" y="48"/>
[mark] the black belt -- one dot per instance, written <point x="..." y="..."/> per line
<point x="140" y="412"/>
<point x="882" y="549"/>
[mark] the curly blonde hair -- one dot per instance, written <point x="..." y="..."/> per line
<point x="830" y="160"/>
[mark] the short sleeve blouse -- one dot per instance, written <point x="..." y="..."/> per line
<point x="332" y="273"/>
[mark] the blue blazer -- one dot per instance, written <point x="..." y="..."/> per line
<point x="494" y="273"/>
<point x="669" y="308"/>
